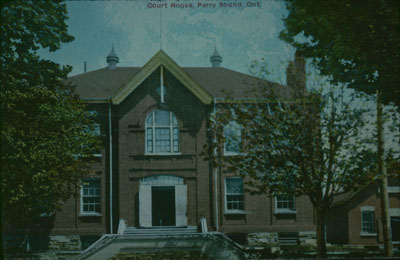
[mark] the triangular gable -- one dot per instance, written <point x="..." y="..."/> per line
<point x="162" y="59"/>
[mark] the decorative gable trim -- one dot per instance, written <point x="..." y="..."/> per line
<point x="162" y="59"/>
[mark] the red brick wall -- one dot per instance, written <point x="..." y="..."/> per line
<point x="134" y="164"/>
<point x="68" y="220"/>
<point x="131" y="164"/>
<point x="368" y="197"/>
<point x="260" y="214"/>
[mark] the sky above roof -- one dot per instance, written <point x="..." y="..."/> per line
<point x="188" y="35"/>
<point x="138" y="29"/>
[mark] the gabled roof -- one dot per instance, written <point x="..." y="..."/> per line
<point x="162" y="59"/>
<point x="205" y="83"/>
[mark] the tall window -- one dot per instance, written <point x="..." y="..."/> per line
<point x="162" y="132"/>
<point x="90" y="196"/>
<point x="367" y="220"/>
<point x="96" y="128"/>
<point x="233" y="138"/>
<point x="234" y="196"/>
<point x="285" y="204"/>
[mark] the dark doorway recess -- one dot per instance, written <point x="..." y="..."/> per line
<point x="163" y="205"/>
<point x="395" y="227"/>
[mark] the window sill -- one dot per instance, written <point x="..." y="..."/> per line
<point x="364" y="234"/>
<point x="90" y="215"/>
<point x="235" y="212"/>
<point x="162" y="154"/>
<point x="285" y="212"/>
<point x="43" y="215"/>
<point x="234" y="154"/>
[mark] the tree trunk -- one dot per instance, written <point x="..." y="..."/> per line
<point x="387" y="241"/>
<point x="320" y="222"/>
<point x="3" y="234"/>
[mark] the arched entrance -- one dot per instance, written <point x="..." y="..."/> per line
<point x="162" y="201"/>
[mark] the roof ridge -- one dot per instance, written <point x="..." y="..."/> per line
<point x="231" y="70"/>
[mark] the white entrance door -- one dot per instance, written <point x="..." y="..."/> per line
<point x="181" y="205"/>
<point x="145" y="216"/>
<point x="145" y="198"/>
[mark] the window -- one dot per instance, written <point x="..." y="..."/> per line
<point x="233" y="138"/>
<point x="90" y="197"/>
<point x="162" y="132"/>
<point x="234" y="197"/>
<point x="285" y="204"/>
<point x="367" y="220"/>
<point x="95" y="130"/>
<point x="96" y="126"/>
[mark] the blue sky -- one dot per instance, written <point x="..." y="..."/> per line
<point x="241" y="34"/>
<point x="189" y="35"/>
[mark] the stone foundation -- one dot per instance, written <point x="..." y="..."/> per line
<point x="262" y="238"/>
<point x="65" y="243"/>
<point x="305" y="238"/>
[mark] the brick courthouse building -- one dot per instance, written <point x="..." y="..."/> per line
<point x="150" y="172"/>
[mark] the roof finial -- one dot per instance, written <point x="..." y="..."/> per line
<point x="112" y="59"/>
<point x="215" y="58"/>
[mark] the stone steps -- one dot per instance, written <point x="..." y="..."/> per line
<point x="164" y="231"/>
<point x="183" y="255"/>
<point x="164" y="243"/>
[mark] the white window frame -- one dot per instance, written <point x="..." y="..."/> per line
<point x="90" y="213"/>
<point x="234" y="127"/>
<point x="287" y="200"/>
<point x="370" y="209"/>
<point x="233" y="211"/>
<point x="171" y="128"/>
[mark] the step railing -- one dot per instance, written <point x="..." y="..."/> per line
<point x="121" y="226"/>
<point x="103" y="241"/>
<point x="216" y="245"/>
<point x="203" y="225"/>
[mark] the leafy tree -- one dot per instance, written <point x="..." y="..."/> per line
<point x="353" y="42"/>
<point x="46" y="136"/>
<point x="357" y="43"/>
<point x="311" y="145"/>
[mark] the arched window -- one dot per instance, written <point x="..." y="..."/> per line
<point x="233" y="138"/>
<point x="162" y="132"/>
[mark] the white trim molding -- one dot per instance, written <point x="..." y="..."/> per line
<point x="391" y="189"/>
<point x="367" y="208"/>
<point x="394" y="212"/>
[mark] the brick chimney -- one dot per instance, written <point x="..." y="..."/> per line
<point x="296" y="72"/>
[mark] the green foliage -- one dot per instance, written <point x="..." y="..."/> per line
<point x="314" y="145"/>
<point x="353" y="42"/>
<point x="45" y="142"/>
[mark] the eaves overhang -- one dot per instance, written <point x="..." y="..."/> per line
<point x="96" y="100"/>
